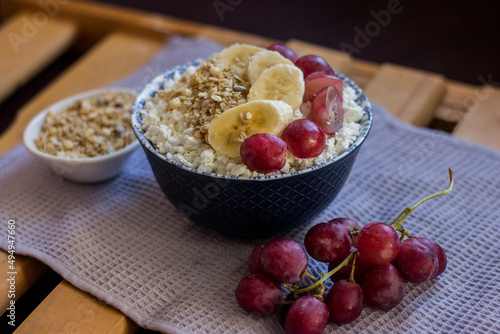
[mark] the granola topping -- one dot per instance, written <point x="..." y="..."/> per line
<point x="210" y="91"/>
<point x="88" y="128"/>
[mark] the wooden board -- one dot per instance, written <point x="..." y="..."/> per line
<point x="410" y="95"/>
<point x="68" y="310"/>
<point x="482" y="123"/>
<point x="28" y="43"/>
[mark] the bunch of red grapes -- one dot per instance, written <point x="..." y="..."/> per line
<point x="368" y="265"/>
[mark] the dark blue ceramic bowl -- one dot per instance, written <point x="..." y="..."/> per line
<point x="249" y="206"/>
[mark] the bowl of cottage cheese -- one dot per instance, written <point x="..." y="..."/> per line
<point x="192" y="121"/>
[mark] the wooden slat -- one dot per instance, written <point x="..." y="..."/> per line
<point x="455" y="102"/>
<point x="411" y="95"/>
<point x="69" y="310"/>
<point x="116" y="56"/>
<point x="339" y="60"/>
<point x="97" y="20"/>
<point x="482" y="122"/>
<point x="27" y="44"/>
<point x="28" y="271"/>
<point x="363" y="71"/>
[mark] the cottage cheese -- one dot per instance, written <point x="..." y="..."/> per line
<point x="173" y="137"/>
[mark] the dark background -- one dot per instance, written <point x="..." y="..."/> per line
<point x="459" y="39"/>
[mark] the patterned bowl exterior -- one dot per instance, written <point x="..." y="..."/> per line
<point x="249" y="206"/>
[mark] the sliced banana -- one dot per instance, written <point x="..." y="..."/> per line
<point x="237" y="55"/>
<point x="263" y="60"/>
<point x="228" y="130"/>
<point x="282" y="83"/>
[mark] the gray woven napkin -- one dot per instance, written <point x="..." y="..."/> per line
<point x="124" y="243"/>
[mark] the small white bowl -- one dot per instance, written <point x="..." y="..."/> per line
<point x="93" y="169"/>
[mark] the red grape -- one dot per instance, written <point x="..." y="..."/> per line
<point x="326" y="242"/>
<point x="416" y="262"/>
<point x="284" y="260"/>
<point x="327" y="110"/>
<point x="383" y="287"/>
<point x="307" y="315"/>
<point x="441" y="255"/>
<point x="378" y="243"/>
<point x="304" y="138"/>
<point x="254" y="262"/>
<point x="263" y="153"/>
<point x="259" y="295"/>
<point x="345" y="302"/>
<point x="316" y="81"/>
<point x="285" y="51"/>
<point x="350" y="224"/>
<point x="311" y="63"/>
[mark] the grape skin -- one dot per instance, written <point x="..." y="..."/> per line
<point x="304" y="138"/>
<point x="258" y="295"/>
<point x="254" y="261"/>
<point x="312" y="63"/>
<point x="416" y="262"/>
<point x="350" y="224"/>
<point x="378" y="243"/>
<point x="263" y="153"/>
<point x="440" y="253"/>
<point x="326" y="242"/>
<point x="285" y="51"/>
<point x="345" y="302"/>
<point x="383" y="287"/>
<point x="307" y="315"/>
<point x="284" y="260"/>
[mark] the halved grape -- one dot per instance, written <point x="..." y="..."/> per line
<point x="284" y="260"/>
<point x="378" y="243"/>
<point x="259" y="295"/>
<point x="304" y="138"/>
<point x="307" y="315"/>
<point x="327" y="110"/>
<point x="312" y="63"/>
<point x="345" y="302"/>
<point x="316" y="81"/>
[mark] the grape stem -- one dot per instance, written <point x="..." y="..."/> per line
<point x="351" y="276"/>
<point x="406" y="212"/>
<point x="325" y="277"/>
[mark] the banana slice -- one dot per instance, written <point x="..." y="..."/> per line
<point x="263" y="60"/>
<point x="237" y="55"/>
<point x="228" y="130"/>
<point x="282" y="83"/>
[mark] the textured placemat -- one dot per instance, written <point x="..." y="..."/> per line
<point x="124" y="243"/>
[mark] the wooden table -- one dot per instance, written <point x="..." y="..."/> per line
<point x="115" y="42"/>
